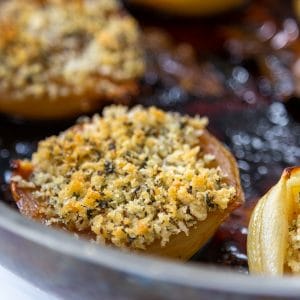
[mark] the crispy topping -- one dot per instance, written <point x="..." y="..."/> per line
<point x="131" y="177"/>
<point x="54" y="47"/>
<point x="293" y="253"/>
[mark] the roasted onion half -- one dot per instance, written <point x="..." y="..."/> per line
<point x="60" y="59"/>
<point x="181" y="244"/>
<point x="273" y="246"/>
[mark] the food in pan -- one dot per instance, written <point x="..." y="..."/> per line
<point x="190" y="7"/>
<point x="61" y="58"/>
<point x="139" y="179"/>
<point x="274" y="230"/>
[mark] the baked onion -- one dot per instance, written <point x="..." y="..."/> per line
<point x="60" y="59"/>
<point x="273" y="229"/>
<point x="118" y="179"/>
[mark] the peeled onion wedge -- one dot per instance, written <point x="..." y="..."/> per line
<point x="269" y="225"/>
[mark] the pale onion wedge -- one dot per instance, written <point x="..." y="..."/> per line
<point x="269" y="225"/>
<point x="180" y="246"/>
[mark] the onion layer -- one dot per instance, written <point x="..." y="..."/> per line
<point x="269" y="225"/>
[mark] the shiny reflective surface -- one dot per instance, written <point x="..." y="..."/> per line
<point x="13" y="287"/>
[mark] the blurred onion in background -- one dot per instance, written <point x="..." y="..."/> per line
<point x="190" y="7"/>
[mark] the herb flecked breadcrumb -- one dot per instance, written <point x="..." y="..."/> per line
<point x="131" y="177"/>
<point x="293" y="251"/>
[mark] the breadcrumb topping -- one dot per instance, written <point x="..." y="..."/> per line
<point x="293" y="252"/>
<point x="131" y="176"/>
<point x="55" y="47"/>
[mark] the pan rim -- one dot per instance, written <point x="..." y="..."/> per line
<point x="189" y="275"/>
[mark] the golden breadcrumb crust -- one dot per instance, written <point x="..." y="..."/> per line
<point x="131" y="177"/>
